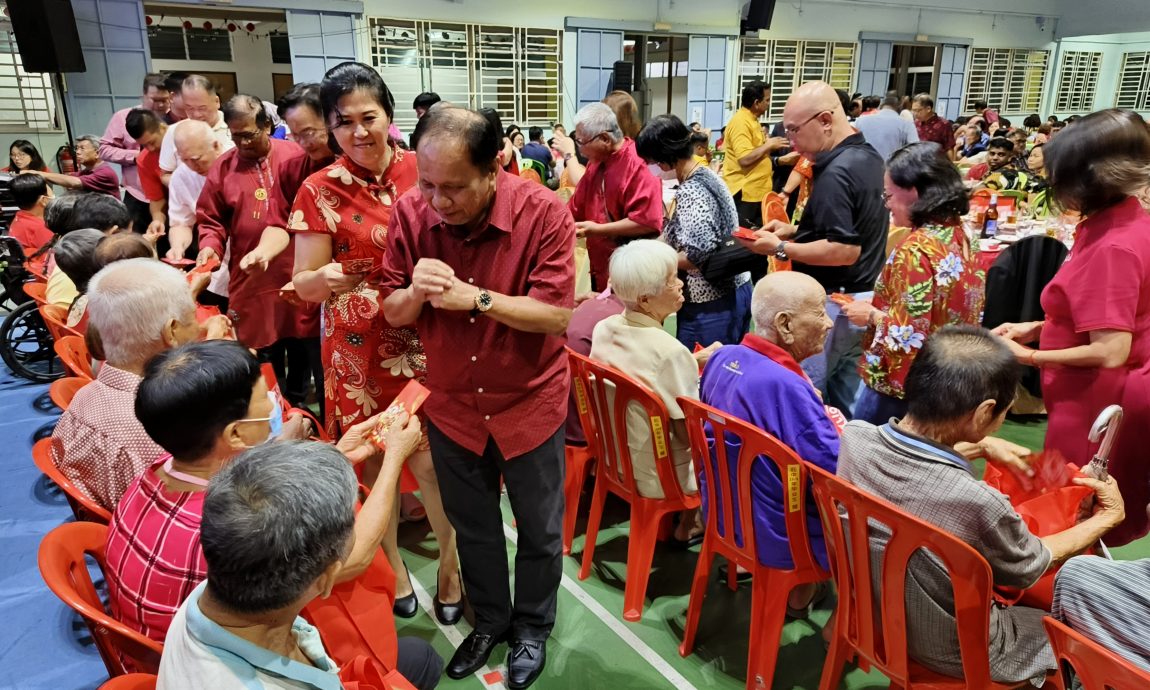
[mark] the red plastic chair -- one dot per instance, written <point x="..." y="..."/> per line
<point x="56" y="319"/>
<point x="65" y="571"/>
<point x="132" y="681"/>
<point x="83" y="507"/>
<point x="770" y="586"/>
<point x="36" y="270"/>
<point x="61" y="391"/>
<point x="73" y="352"/>
<point x="883" y="644"/>
<point x="1095" y="666"/>
<point x="579" y="460"/>
<point x="37" y="291"/>
<point x="615" y="474"/>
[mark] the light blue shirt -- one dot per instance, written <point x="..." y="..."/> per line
<point x="199" y="653"/>
<point x="886" y="132"/>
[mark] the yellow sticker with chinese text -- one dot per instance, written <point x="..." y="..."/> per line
<point x="660" y="442"/>
<point x="580" y="396"/>
<point x="793" y="488"/>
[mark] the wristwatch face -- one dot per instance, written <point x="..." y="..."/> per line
<point x="483" y="300"/>
<point x="781" y="252"/>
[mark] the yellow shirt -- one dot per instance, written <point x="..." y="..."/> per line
<point x="744" y="134"/>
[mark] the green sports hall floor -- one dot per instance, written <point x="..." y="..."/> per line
<point x="593" y="648"/>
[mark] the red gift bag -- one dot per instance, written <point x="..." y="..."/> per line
<point x="1048" y="503"/>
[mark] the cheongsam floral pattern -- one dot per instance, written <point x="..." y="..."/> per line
<point x="366" y="362"/>
<point x="931" y="280"/>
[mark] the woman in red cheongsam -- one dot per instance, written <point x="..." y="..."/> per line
<point x="340" y="220"/>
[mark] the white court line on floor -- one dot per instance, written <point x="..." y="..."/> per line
<point x="617" y="626"/>
<point x="451" y="632"/>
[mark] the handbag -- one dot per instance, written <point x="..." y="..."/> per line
<point x="1048" y="503"/>
<point x="731" y="259"/>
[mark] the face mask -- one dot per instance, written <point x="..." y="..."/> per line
<point x="275" y="420"/>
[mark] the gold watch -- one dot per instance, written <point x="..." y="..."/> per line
<point x="483" y="301"/>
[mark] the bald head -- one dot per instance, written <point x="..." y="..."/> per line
<point x="196" y="145"/>
<point x="462" y="128"/>
<point x="814" y="118"/>
<point x="789" y="309"/>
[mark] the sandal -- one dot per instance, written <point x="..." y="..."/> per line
<point x="822" y="589"/>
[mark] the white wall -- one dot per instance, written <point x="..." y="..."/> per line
<point x="1112" y="46"/>
<point x="251" y="58"/>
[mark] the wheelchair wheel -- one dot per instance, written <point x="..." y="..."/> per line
<point x="26" y="346"/>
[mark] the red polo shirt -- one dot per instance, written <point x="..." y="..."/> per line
<point x="938" y="130"/>
<point x="489" y="380"/>
<point x="100" y="178"/>
<point x="148" y="166"/>
<point x="30" y="232"/>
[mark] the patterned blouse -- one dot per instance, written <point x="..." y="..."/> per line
<point x="931" y="280"/>
<point x="701" y="218"/>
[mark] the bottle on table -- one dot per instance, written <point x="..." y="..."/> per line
<point x="990" y="220"/>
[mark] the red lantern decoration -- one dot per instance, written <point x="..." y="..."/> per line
<point x="147" y="20"/>
<point x="187" y="24"/>
<point x="232" y="26"/>
<point x="207" y="26"/>
<point x="250" y="27"/>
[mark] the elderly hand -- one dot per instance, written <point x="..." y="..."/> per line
<point x="1011" y="455"/>
<point x="356" y="443"/>
<point x="789" y="158"/>
<point x="205" y="255"/>
<point x="296" y="427"/>
<point x="1108" y="500"/>
<point x="155" y="231"/>
<point x="565" y="144"/>
<point x="858" y="311"/>
<point x="459" y="297"/>
<point x="256" y="258"/>
<point x="179" y="245"/>
<point x="337" y="281"/>
<point x="702" y="356"/>
<point x="402" y="438"/>
<point x="585" y="228"/>
<point x="217" y="327"/>
<point x="780" y="229"/>
<point x="584" y="296"/>
<point x="431" y="277"/>
<point x="765" y="242"/>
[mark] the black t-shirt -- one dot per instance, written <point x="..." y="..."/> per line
<point x="846" y="206"/>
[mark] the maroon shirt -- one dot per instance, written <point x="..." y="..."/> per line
<point x="938" y="130"/>
<point x="489" y="380"/>
<point x="100" y="178"/>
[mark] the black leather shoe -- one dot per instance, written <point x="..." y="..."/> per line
<point x="408" y="606"/>
<point x="472" y="653"/>
<point x="525" y="662"/>
<point x="447" y="613"/>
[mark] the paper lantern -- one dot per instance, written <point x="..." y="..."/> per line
<point x="250" y="27"/>
<point x="187" y="24"/>
<point x="147" y="20"/>
<point x="232" y="26"/>
<point x="207" y="26"/>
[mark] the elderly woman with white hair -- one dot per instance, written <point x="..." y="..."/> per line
<point x="139" y="307"/>
<point x="644" y="275"/>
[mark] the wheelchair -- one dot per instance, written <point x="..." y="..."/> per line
<point x="26" y="345"/>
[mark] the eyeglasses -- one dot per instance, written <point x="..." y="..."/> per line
<point x="309" y="134"/>
<point x="792" y="131"/>
<point x="886" y="196"/>
<point x="584" y="142"/>
<point x="246" y="137"/>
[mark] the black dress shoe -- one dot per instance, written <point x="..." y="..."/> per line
<point x="447" y="613"/>
<point x="408" y="606"/>
<point x="472" y="653"/>
<point x="525" y="662"/>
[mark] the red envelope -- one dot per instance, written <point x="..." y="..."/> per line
<point x="841" y="299"/>
<point x="356" y="266"/>
<point x="409" y="400"/>
<point x="744" y="233"/>
<point x="206" y="267"/>
<point x="179" y="263"/>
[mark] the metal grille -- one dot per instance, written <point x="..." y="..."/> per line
<point x="1078" y="81"/>
<point x="1134" y="82"/>
<point x="1010" y="80"/>
<point x="26" y="100"/>
<point x="787" y="64"/>
<point x="515" y="70"/>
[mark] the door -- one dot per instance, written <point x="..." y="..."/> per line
<point x="707" y="80"/>
<point x="951" y="79"/>
<point x="319" y="41"/>
<point x="115" y="45"/>
<point x="596" y="54"/>
<point x="874" y="66"/>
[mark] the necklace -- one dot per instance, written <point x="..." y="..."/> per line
<point x="261" y="193"/>
<point x="690" y="172"/>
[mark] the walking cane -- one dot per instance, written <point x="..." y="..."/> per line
<point x="1105" y="428"/>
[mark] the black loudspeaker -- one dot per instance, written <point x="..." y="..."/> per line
<point x="46" y="34"/>
<point x="623" y="78"/>
<point x="759" y="13"/>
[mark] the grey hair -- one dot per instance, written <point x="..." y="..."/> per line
<point x="598" y="118"/>
<point x="130" y="302"/>
<point x="640" y="268"/>
<point x="91" y="139"/>
<point x="274" y="519"/>
<point x="59" y="214"/>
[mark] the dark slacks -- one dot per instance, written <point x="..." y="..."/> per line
<point x="140" y="211"/>
<point x="297" y="361"/>
<point x="750" y="212"/>
<point x="470" y="487"/>
<point x="418" y="663"/>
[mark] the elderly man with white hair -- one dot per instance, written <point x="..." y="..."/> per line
<point x="198" y="148"/>
<point x="644" y="275"/>
<point x="139" y="307"/>
<point x="760" y="381"/>
<point x="618" y="199"/>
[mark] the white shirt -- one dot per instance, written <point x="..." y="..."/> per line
<point x="183" y="193"/>
<point x="168" y="158"/>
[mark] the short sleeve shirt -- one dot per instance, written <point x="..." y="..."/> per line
<point x="938" y="130"/>
<point x="100" y="178"/>
<point x="745" y="134"/>
<point x="148" y="167"/>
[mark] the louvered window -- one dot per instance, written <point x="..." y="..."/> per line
<point x="178" y="43"/>
<point x="1077" y="81"/>
<point x="1010" y="80"/>
<point x="787" y="64"/>
<point x="1134" y="82"/>
<point x="27" y="100"/>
